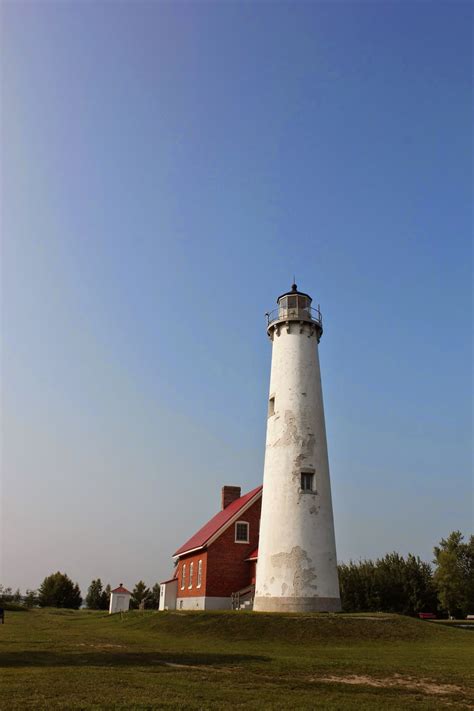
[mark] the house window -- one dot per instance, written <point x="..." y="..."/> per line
<point x="191" y="569"/>
<point x="183" y="576"/>
<point x="307" y="481"/>
<point x="241" y="532"/>
<point x="271" y="406"/>
<point x="199" y="574"/>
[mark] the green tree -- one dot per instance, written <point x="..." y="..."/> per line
<point x="31" y="598"/>
<point x="420" y="590"/>
<point x="467" y="564"/>
<point x="105" y="599"/>
<point x="58" y="590"/>
<point x="94" y="597"/>
<point x="454" y="574"/>
<point x="405" y="585"/>
<point x="359" y="587"/>
<point x="140" y="594"/>
<point x="153" y="601"/>
<point x="388" y="584"/>
<point x="6" y="594"/>
<point x="17" y="597"/>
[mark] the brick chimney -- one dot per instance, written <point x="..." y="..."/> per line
<point x="229" y="494"/>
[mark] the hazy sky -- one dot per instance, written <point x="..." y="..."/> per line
<point x="166" y="168"/>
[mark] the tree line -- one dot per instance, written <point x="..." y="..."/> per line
<point x="409" y="585"/>
<point x="58" y="590"/>
<point x="405" y="585"/>
<point x="98" y="598"/>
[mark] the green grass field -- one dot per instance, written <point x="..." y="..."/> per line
<point x="146" y="660"/>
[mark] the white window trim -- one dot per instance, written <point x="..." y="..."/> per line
<point x="199" y="573"/>
<point x="248" y="532"/>
<point x="191" y="573"/>
<point x="183" y="576"/>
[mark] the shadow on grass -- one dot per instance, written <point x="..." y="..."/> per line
<point x="109" y="658"/>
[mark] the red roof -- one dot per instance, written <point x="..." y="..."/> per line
<point x="171" y="580"/>
<point x="217" y="522"/>
<point x="122" y="590"/>
<point x="253" y="555"/>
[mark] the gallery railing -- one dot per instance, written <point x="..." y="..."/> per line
<point x="295" y="314"/>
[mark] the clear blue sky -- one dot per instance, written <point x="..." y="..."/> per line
<point x="166" y="168"/>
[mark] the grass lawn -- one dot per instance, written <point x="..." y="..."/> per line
<point x="66" y="659"/>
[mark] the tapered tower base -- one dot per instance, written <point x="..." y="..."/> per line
<point x="297" y="604"/>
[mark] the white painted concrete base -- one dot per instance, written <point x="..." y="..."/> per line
<point x="298" y="604"/>
<point x="204" y="603"/>
<point x="218" y="603"/>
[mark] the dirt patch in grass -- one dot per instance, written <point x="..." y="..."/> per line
<point x="424" y="685"/>
<point x="173" y="665"/>
<point x="101" y="646"/>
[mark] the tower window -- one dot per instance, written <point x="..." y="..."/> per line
<point x="307" y="481"/>
<point x="241" y="532"/>
<point x="271" y="406"/>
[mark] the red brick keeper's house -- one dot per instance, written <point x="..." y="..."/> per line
<point x="215" y="568"/>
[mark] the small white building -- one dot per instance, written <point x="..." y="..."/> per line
<point x="168" y="594"/>
<point x="119" y="600"/>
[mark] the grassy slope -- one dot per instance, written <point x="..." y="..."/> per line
<point x="66" y="659"/>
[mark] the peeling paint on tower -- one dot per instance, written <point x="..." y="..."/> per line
<point x="297" y="568"/>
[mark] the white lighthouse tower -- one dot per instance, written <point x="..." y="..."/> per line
<point x="297" y="565"/>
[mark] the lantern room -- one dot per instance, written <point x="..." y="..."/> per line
<point x="295" y="305"/>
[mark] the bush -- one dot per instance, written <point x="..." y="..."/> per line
<point x="58" y="590"/>
<point x="97" y="598"/>
<point x="388" y="584"/>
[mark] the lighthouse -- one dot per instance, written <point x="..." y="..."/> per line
<point x="297" y="564"/>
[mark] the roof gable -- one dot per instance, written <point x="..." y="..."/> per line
<point x="121" y="590"/>
<point x="213" y="528"/>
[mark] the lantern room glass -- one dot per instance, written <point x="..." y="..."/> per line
<point x="294" y="306"/>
